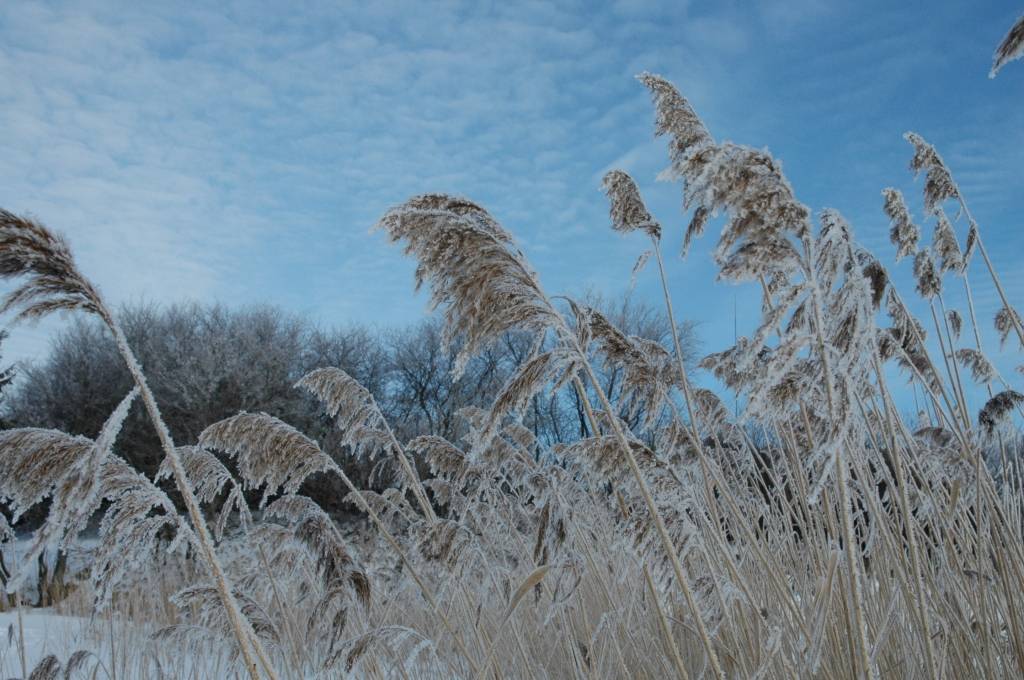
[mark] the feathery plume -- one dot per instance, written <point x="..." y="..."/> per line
<point x="677" y="119"/>
<point x="444" y="458"/>
<point x="48" y="668"/>
<point x="33" y="461"/>
<point x="746" y="183"/>
<point x="475" y="272"/>
<point x="928" y="282"/>
<point x="208" y="475"/>
<point x="749" y="185"/>
<point x="77" y="662"/>
<point x="407" y="650"/>
<point x="202" y="602"/>
<point x="945" y="245"/>
<point x="1004" y="323"/>
<point x="27" y="248"/>
<point x="997" y="410"/>
<point x="602" y="456"/>
<point x="909" y="330"/>
<point x="444" y="541"/>
<point x="36" y="464"/>
<point x="938" y="185"/>
<point x="877" y="278"/>
<point x="981" y="368"/>
<point x="935" y="437"/>
<point x="318" y="533"/>
<point x="904" y="233"/>
<point x="626" y="206"/>
<point x="714" y="412"/>
<point x="364" y="428"/>
<point x="638" y="267"/>
<point x="956" y="323"/>
<point x="270" y="453"/>
<point x="972" y="243"/>
<point x="905" y="343"/>
<point x="648" y="370"/>
<point x="696" y="227"/>
<point x="538" y="370"/>
<point x="1012" y="47"/>
<point x="74" y="488"/>
<point x="130" y="531"/>
<point x="355" y="410"/>
<point x="209" y="478"/>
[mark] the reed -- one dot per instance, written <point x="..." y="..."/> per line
<point x="816" y="533"/>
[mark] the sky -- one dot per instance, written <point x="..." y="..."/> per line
<point x="242" y="151"/>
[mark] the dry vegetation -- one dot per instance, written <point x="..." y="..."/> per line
<point x="819" y="534"/>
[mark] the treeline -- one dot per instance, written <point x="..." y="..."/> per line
<point x="208" y="362"/>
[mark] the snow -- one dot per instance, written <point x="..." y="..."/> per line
<point x="125" y="646"/>
<point x="45" y="633"/>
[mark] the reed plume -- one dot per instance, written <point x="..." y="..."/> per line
<point x="997" y="410"/>
<point x="981" y="368"/>
<point x="1011" y="47"/>
<point x="939" y="186"/>
<point x="745" y="183"/>
<point x="628" y="211"/>
<point x="945" y="245"/>
<point x="364" y="428"/>
<point x="474" y="269"/>
<point x="929" y="283"/>
<point x="1006" y="320"/>
<point x="210" y="478"/>
<point x="132" y="530"/>
<point x="52" y="283"/>
<point x="904" y="233"/>
<point x="46" y="464"/>
<point x="331" y="554"/>
<point x="270" y="454"/>
<point x="956" y="322"/>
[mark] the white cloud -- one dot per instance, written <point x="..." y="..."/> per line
<point x="241" y="150"/>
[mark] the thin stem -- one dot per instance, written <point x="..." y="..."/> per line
<point x="659" y="522"/>
<point x="870" y="669"/>
<point x="666" y="632"/>
<point x="995" y="279"/>
<point x="393" y="542"/>
<point x="21" y="625"/>
<point x="904" y="504"/>
<point x="239" y="624"/>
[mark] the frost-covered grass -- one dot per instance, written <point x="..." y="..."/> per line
<point x="819" y="533"/>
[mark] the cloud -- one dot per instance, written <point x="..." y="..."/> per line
<point x="242" y="151"/>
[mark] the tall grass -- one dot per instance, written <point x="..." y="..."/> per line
<point x="820" y="533"/>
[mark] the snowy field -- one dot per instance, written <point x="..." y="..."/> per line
<point x="45" y="632"/>
<point x="110" y="648"/>
<point x="101" y="647"/>
<point x="132" y="654"/>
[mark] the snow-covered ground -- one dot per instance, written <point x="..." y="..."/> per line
<point x="45" y="633"/>
<point x="123" y="649"/>
<point x="116" y="650"/>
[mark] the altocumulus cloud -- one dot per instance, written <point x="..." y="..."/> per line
<point x="240" y="151"/>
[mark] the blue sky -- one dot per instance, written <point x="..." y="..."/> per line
<point x="241" y="151"/>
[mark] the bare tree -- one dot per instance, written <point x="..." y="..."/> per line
<point x="422" y="396"/>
